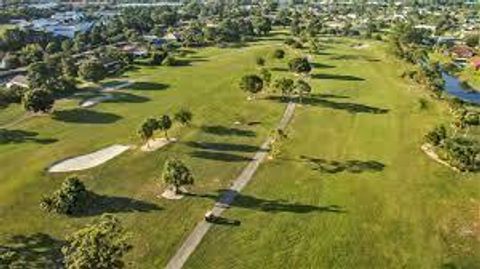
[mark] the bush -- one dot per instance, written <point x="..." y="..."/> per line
<point x="299" y="65"/>
<point x="170" y="61"/>
<point x="279" y="54"/>
<point x="157" y="57"/>
<point x="69" y="199"/>
<point x="436" y="136"/>
<point x="251" y="83"/>
<point x="184" y="116"/>
<point x="260" y="61"/>
<point x="11" y="95"/>
<point x="463" y="153"/>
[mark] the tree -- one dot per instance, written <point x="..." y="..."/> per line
<point x="176" y="174"/>
<point x="472" y="40"/>
<point x="184" y="116"/>
<point x="69" y="199"/>
<point x="266" y="76"/>
<point x="299" y="65"/>
<point x="437" y="135"/>
<point x="303" y="89"/>
<point x="92" y="70"/>
<point x="279" y="53"/>
<point x="31" y="53"/>
<point x="164" y="124"/>
<point x="11" y="61"/>
<point x="69" y="68"/>
<point x="38" y="100"/>
<point x="53" y="47"/>
<point x="285" y="86"/>
<point x="147" y="129"/>
<point x="100" y="245"/>
<point x="251" y="83"/>
<point x="260" y="61"/>
<point x="157" y="57"/>
<point x="262" y="25"/>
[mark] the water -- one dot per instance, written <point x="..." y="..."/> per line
<point x="454" y="87"/>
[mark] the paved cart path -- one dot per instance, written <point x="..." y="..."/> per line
<point x="194" y="239"/>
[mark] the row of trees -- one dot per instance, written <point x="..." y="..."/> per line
<point x="164" y="123"/>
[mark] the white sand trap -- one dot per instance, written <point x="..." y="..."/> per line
<point x="117" y="87"/>
<point x="170" y="194"/>
<point x="96" y="100"/>
<point x="361" y="46"/>
<point x="157" y="143"/>
<point x="89" y="160"/>
<point x="428" y="149"/>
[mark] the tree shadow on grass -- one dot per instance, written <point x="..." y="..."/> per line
<point x="320" y="65"/>
<point x="20" y="136"/>
<point x="219" y="156"/>
<point x="226" y="131"/>
<point x="100" y="204"/>
<point x="123" y="97"/>
<point x="337" y="77"/>
<point x="354" y="57"/>
<point x="85" y="116"/>
<point x="148" y="86"/>
<point x="279" y="69"/>
<point x="31" y="251"/>
<point x="351" y="166"/>
<point x="223" y="146"/>
<point x="346" y="106"/>
<point x="188" y="62"/>
<point x="224" y="197"/>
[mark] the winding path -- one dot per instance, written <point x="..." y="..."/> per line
<point x="194" y="239"/>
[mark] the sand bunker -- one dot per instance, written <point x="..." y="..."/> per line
<point x="157" y="143"/>
<point x="361" y="46"/>
<point x="89" y="160"/>
<point x="117" y="87"/>
<point x="96" y="100"/>
<point x="170" y="194"/>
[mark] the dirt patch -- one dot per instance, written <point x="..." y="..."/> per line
<point x="170" y="194"/>
<point x="157" y="143"/>
<point x="429" y="150"/>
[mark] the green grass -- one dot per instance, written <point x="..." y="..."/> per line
<point x="353" y="190"/>
<point x="207" y="86"/>
<point x="401" y="208"/>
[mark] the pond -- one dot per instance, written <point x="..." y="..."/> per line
<point x="454" y="87"/>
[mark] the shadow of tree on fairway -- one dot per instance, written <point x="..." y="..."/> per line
<point x="100" y="204"/>
<point x="354" y="57"/>
<point x="347" y="106"/>
<point x="31" y="251"/>
<point x="236" y="199"/>
<point x="337" y="77"/>
<point x="219" y="156"/>
<point x="123" y="97"/>
<point x="148" y="86"/>
<point x="351" y="166"/>
<point x="320" y="65"/>
<point x="223" y="146"/>
<point x="20" y="136"/>
<point x="85" y="116"/>
<point x="226" y="131"/>
<point x="279" y="69"/>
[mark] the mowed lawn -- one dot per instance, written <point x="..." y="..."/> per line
<point x="351" y="188"/>
<point x="206" y="83"/>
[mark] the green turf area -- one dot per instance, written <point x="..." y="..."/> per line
<point x="359" y="138"/>
<point x="351" y="188"/>
<point x="206" y="84"/>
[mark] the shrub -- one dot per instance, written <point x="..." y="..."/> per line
<point x="69" y="199"/>
<point x="462" y="153"/>
<point x="170" y="61"/>
<point x="436" y="136"/>
<point x="260" y="61"/>
<point x="279" y="54"/>
<point x="184" y="116"/>
<point x="299" y="65"/>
